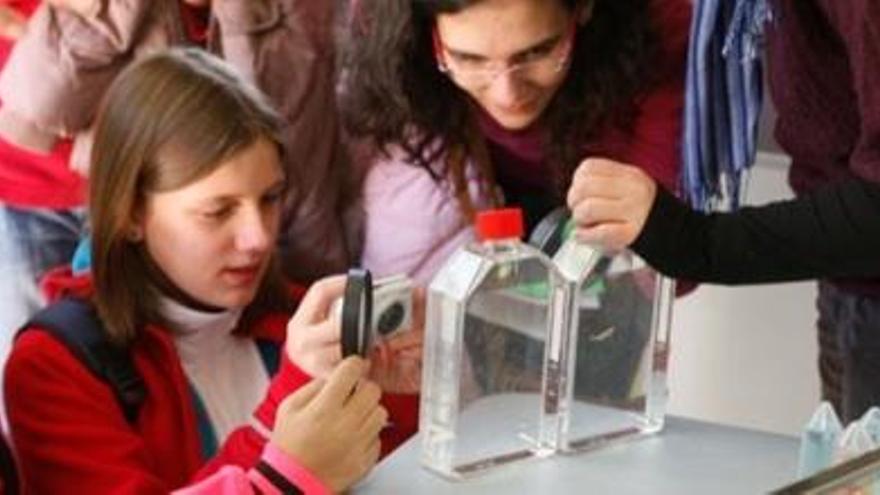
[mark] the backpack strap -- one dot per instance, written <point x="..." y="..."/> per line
<point x="75" y="323"/>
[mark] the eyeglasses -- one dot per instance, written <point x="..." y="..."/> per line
<point x="540" y="63"/>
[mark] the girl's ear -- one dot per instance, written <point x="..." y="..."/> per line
<point x="135" y="231"/>
<point x="135" y="234"/>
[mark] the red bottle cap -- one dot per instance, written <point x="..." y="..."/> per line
<point x="496" y="225"/>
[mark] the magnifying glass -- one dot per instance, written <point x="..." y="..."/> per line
<point x="357" y="312"/>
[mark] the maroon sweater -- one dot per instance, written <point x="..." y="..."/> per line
<point x="824" y="71"/>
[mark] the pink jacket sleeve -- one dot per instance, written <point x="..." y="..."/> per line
<point x="412" y="222"/>
<point x="233" y="480"/>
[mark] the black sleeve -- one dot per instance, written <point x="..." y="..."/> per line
<point x="832" y="232"/>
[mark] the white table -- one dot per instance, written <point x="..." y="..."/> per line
<point x="687" y="457"/>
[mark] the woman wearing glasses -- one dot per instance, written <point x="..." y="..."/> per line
<point x="476" y="103"/>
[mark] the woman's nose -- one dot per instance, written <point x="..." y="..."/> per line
<point x="253" y="233"/>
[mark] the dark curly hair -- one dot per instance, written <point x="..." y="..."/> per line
<point x="394" y="94"/>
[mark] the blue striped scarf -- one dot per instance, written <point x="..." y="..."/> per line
<point x="723" y="99"/>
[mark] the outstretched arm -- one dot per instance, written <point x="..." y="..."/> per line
<point x="832" y="232"/>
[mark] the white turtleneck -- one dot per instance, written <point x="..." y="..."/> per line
<point x="226" y="371"/>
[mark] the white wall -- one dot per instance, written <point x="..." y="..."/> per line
<point x="746" y="356"/>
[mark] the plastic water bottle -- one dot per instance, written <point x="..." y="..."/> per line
<point x="819" y="440"/>
<point x="858" y="438"/>
<point x="871" y="422"/>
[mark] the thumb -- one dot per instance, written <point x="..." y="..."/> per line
<point x="302" y="397"/>
<point x="341" y="382"/>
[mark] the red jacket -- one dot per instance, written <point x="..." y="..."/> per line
<point x="69" y="431"/>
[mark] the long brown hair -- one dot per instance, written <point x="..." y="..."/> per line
<point x="392" y="85"/>
<point x="166" y="121"/>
